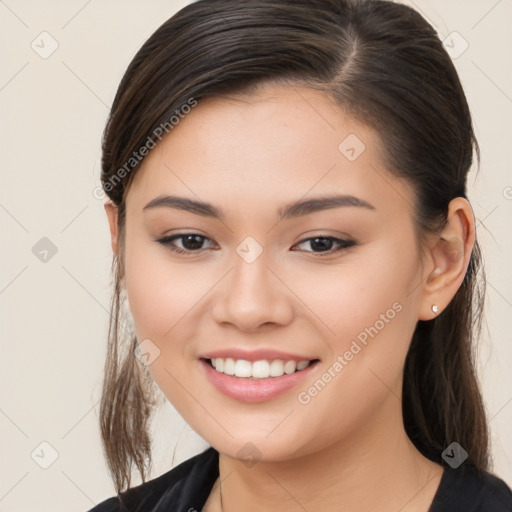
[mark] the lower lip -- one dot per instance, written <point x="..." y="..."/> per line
<point x="254" y="390"/>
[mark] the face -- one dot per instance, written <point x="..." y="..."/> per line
<point x="254" y="286"/>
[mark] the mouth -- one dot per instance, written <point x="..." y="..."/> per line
<point x="261" y="369"/>
<point x="258" y="380"/>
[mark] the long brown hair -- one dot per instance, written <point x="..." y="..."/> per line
<point x="386" y="66"/>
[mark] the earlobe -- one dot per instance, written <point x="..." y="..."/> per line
<point x="111" y="211"/>
<point x="449" y="255"/>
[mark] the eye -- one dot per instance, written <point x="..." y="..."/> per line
<point x="325" y="243"/>
<point x="191" y="242"/>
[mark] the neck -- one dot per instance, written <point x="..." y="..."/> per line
<point x="376" y="467"/>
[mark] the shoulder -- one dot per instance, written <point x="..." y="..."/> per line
<point x="469" y="489"/>
<point x="184" y="487"/>
<point x="495" y="493"/>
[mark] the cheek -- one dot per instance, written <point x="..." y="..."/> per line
<point x="373" y="318"/>
<point x="366" y="288"/>
<point x="162" y="297"/>
<point x="369" y="316"/>
<point x="161" y="293"/>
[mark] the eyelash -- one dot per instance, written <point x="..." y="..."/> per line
<point x="343" y="244"/>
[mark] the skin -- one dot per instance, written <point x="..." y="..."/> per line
<point x="250" y="156"/>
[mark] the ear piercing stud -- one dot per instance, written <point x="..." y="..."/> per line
<point x="435" y="309"/>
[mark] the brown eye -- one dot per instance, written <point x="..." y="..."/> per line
<point x="324" y="244"/>
<point x="191" y="242"/>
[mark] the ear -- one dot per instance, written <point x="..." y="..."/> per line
<point x="111" y="211"/>
<point x="448" y="256"/>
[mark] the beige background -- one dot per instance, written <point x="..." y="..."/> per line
<point x="54" y="314"/>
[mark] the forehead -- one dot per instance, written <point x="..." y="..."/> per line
<point x="277" y="144"/>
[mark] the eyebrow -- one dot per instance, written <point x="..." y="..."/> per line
<point x="292" y="210"/>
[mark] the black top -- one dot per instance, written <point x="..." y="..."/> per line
<point x="186" y="488"/>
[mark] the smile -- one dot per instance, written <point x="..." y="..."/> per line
<point x="262" y="369"/>
<point x="258" y="380"/>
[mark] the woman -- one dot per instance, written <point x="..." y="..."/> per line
<point x="293" y="241"/>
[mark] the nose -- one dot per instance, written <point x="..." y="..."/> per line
<point x="253" y="296"/>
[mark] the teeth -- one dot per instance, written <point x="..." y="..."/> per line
<point x="276" y="368"/>
<point x="229" y="366"/>
<point x="302" y="365"/>
<point x="243" y="368"/>
<point x="258" y="369"/>
<point x="290" y="367"/>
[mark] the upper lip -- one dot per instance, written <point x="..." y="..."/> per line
<point x="255" y="355"/>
